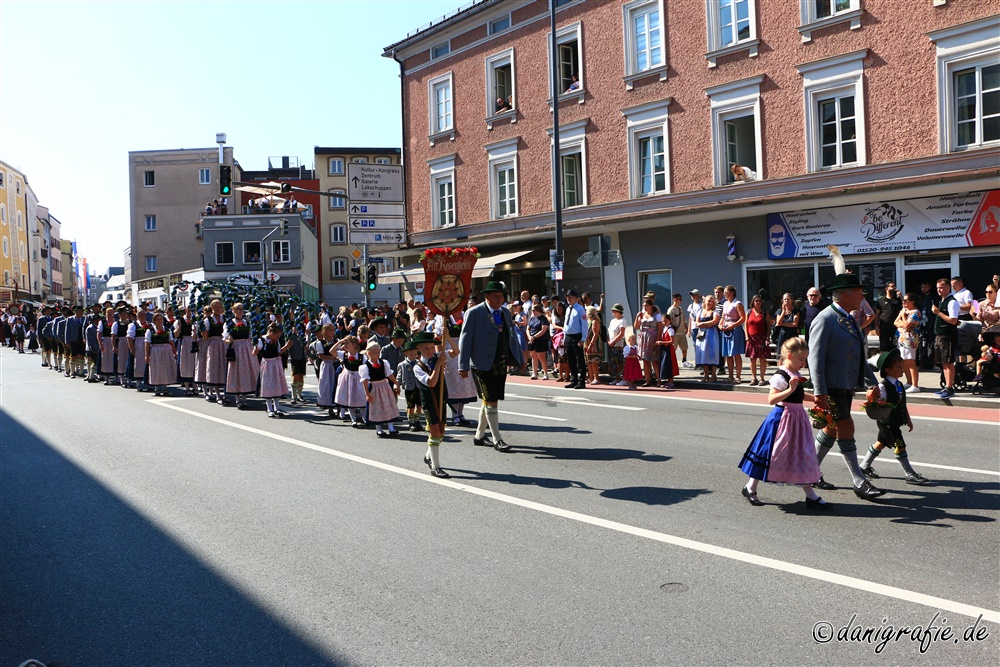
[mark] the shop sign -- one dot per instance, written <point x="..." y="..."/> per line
<point x="963" y="220"/>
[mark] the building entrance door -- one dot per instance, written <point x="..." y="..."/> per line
<point x="918" y="269"/>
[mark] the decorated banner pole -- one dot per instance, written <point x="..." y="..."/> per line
<point x="448" y="284"/>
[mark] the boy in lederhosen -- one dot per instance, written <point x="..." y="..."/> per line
<point x="890" y="431"/>
<point x="429" y="371"/>
<point x="407" y="380"/>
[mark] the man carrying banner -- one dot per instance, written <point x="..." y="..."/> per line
<point x="488" y="345"/>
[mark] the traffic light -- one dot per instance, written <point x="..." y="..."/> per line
<point x="283" y="227"/>
<point x="356" y="274"/>
<point x="225" y="180"/>
<point x="372" y="277"/>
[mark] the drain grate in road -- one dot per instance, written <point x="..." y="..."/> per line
<point x="674" y="587"/>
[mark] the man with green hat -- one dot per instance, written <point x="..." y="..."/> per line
<point x="487" y="346"/>
<point x="838" y="366"/>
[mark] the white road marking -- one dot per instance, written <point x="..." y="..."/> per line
<point x="953" y="606"/>
<point x="581" y="401"/>
<point x="524" y="414"/>
<point x="943" y="467"/>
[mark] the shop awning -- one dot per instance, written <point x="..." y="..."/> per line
<point x="415" y="272"/>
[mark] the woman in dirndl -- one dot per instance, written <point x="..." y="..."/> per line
<point x="461" y="391"/>
<point x="329" y="364"/>
<point x="241" y="376"/>
<point x="350" y="393"/>
<point x="201" y="358"/>
<point x="186" y="356"/>
<point x="380" y="390"/>
<point x="273" y="384"/>
<point x="648" y="326"/>
<point x="161" y="356"/>
<point x="706" y="342"/>
<point x="137" y="348"/>
<point x="107" y="368"/>
<point x="119" y="334"/>
<point x="212" y="329"/>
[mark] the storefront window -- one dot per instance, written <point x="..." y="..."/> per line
<point x="660" y="284"/>
<point x="874" y="277"/>
<point x="771" y="283"/>
<point x="977" y="273"/>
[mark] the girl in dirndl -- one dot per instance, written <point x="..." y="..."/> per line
<point x="350" y="394"/>
<point x="783" y="450"/>
<point x="329" y="364"/>
<point x="273" y="384"/>
<point x="119" y="334"/>
<point x="161" y="356"/>
<point x="461" y="391"/>
<point x="380" y="390"/>
<point x="186" y="356"/>
<point x="633" y="367"/>
<point x="212" y="329"/>
<point x="241" y="376"/>
<point x="107" y="366"/>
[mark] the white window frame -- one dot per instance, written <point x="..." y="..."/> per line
<point x="569" y="33"/>
<point x="572" y="140"/>
<point x="149" y="178"/>
<point x="629" y="12"/>
<point x="338" y="199"/>
<point x="308" y="212"/>
<point x="204" y="176"/>
<point x="6" y="247"/>
<point x="335" y="166"/>
<point x="713" y="19"/>
<point x="442" y="170"/>
<point x="492" y="29"/>
<point x="150" y="222"/>
<point x="440" y="50"/>
<point x="334" y="273"/>
<point x="826" y="78"/>
<point x="20" y="220"/>
<point x="336" y="227"/>
<point x="436" y="129"/>
<point x="359" y="160"/>
<point x="21" y="251"/>
<point x="150" y="263"/>
<point x="284" y="254"/>
<point x="959" y="47"/>
<point x="383" y="160"/>
<point x="246" y="257"/>
<point x="502" y="156"/>
<point x="643" y="121"/>
<point x="3" y="213"/>
<point x="736" y="99"/>
<point x="232" y="252"/>
<point x="493" y="63"/>
<point x="810" y="20"/>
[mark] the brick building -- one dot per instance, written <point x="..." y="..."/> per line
<point x="872" y="125"/>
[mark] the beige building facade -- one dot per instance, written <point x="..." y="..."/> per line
<point x="336" y="259"/>
<point x="168" y="191"/>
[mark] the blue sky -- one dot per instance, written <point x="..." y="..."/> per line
<point x="83" y="83"/>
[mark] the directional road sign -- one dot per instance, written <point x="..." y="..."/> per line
<point x="368" y="210"/>
<point x="374" y="182"/>
<point x="380" y="223"/>
<point x="376" y="238"/>
<point x="591" y="260"/>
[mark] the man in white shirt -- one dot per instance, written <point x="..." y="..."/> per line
<point x="678" y="321"/>
<point x="964" y="298"/>
<point x="694" y="312"/>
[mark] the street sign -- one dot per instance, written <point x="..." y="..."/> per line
<point x="375" y="238"/>
<point x="591" y="260"/>
<point x="378" y="182"/>
<point x="614" y="257"/>
<point x="376" y="260"/>
<point x="375" y="209"/>
<point x="356" y="253"/>
<point x="382" y="223"/>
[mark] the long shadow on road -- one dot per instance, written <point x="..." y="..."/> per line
<point x="86" y="580"/>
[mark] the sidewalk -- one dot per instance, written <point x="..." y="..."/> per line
<point x="929" y="382"/>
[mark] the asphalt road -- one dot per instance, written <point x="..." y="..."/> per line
<point x="144" y="531"/>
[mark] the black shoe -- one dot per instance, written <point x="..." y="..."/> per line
<point x="868" y="492"/>
<point x="582" y="385"/>
<point x="441" y="474"/>
<point x="419" y="428"/>
<point x="824" y="485"/>
<point x="427" y="460"/>
<point x="917" y="479"/>
<point x="413" y="427"/>
<point x="870" y="472"/>
<point x="381" y="434"/>
<point x="392" y="434"/>
<point x="482" y="442"/>
<point x="818" y="504"/>
<point x="501" y="446"/>
<point x="571" y="385"/>
<point x="751" y="497"/>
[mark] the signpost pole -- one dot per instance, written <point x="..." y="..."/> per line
<point x="364" y="273"/>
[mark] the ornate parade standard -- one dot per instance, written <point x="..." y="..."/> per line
<point x="448" y="278"/>
<point x="447" y="286"/>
